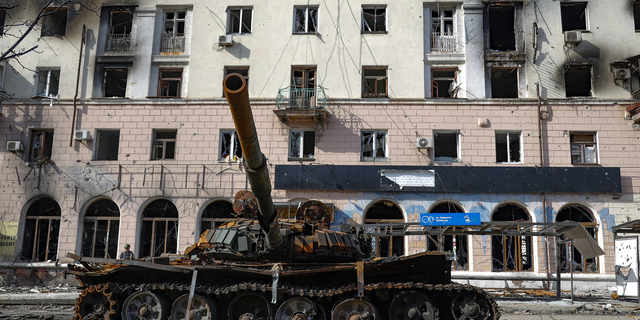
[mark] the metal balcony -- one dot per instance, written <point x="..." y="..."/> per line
<point x="172" y="42"/>
<point x="302" y="98"/>
<point x="118" y="43"/>
<point x="443" y="42"/>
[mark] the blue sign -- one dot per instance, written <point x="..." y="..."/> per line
<point x="450" y="219"/>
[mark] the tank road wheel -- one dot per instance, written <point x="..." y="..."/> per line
<point x="145" y="305"/>
<point x="354" y="309"/>
<point x="249" y="306"/>
<point x="470" y="305"/>
<point x="412" y="305"/>
<point x="299" y="308"/>
<point x="95" y="302"/>
<point x="202" y="308"/>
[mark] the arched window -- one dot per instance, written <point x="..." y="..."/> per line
<point x="215" y="214"/>
<point x="511" y="253"/>
<point x="159" y="229"/>
<point x="457" y="244"/>
<point x="100" y="234"/>
<point x="41" y="230"/>
<point x="578" y="213"/>
<point x="386" y="212"/>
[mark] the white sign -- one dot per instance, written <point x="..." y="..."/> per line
<point x="415" y="178"/>
<point x="626" y="266"/>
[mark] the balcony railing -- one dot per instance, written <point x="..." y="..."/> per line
<point x="118" y="43"/>
<point x="443" y="42"/>
<point x="172" y="42"/>
<point x="302" y="98"/>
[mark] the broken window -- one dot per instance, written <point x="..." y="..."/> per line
<point x="303" y="87"/>
<point x="170" y="83"/>
<point x="443" y="83"/>
<point x="3" y="15"/>
<point x="106" y="144"/>
<point x="577" y="80"/>
<point x="302" y="144"/>
<point x="114" y="83"/>
<point x="305" y="20"/>
<point x="41" y="145"/>
<point x="47" y="83"/>
<point x="511" y="253"/>
<point x="456" y="244"/>
<point x="508" y="146"/>
<point x="504" y="82"/>
<point x="239" y="20"/>
<point x="574" y="16"/>
<point x="443" y="37"/>
<point x="54" y="21"/>
<point x="385" y="212"/>
<point x="159" y="232"/>
<point x="100" y="234"/>
<point x="373" y="145"/>
<point x="445" y="146"/>
<point x="119" y="34"/>
<point x="288" y="210"/>
<point x="578" y="213"/>
<point x="173" y="35"/>
<point x="584" y="147"/>
<point x="502" y="28"/>
<point x="374" y="19"/>
<point x="41" y="231"/>
<point x="374" y="82"/>
<point x="636" y="14"/>
<point x="229" y="146"/>
<point x="241" y="70"/>
<point x="215" y="214"/>
<point x="164" y="144"/>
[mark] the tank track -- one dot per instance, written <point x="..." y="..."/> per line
<point x="110" y="289"/>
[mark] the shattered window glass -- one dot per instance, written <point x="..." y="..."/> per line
<point x="305" y="20"/>
<point x="41" y="231"/>
<point x="583" y="148"/>
<point x="159" y="228"/>
<point x="115" y="82"/>
<point x="229" y="146"/>
<point x="101" y="227"/>
<point x="458" y="245"/>
<point x="239" y="21"/>
<point x="374" y="19"/>
<point x="578" y="213"/>
<point x="374" y="144"/>
<point x="511" y="253"/>
<point x="302" y="144"/>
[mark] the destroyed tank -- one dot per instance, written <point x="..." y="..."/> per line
<point x="259" y="267"/>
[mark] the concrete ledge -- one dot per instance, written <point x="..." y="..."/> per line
<point x="58" y="298"/>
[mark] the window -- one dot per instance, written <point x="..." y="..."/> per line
<point x="41" y="145"/>
<point x="41" y="231"/>
<point x="443" y="37"/>
<point x="305" y="20"/>
<point x="584" y="148"/>
<point x="504" y="82"/>
<point x="636" y="14"/>
<point x="385" y="212"/>
<point x="242" y="70"/>
<point x="578" y="213"/>
<point x="445" y="146"/>
<point x="374" y="19"/>
<point x="54" y="22"/>
<point x="456" y="244"/>
<point x="511" y="253"/>
<point x="106" y="144"/>
<point x="502" y="32"/>
<point x="577" y="81"/>
<point x="373" y="145"/>
<point x="302" y="144"/>
<point x="173" y="38"/>
<point x="101" y="225"/>
<point x="114" y="83"/>
<point x="159" y="229"/>
<point x="239" y="20"/>
<point x="119" y="33"/>
<point x="229" y="146"/>
<point x="508" y="146"/>
<point x="443" y="83"/>
<point x="574" y="16"/>
<point x="170" y="83"/>
<point x="47" y="82"/>
<point x="303" y="85"/>
<point x="215" y="214"/>
<point x="164" y="144"/>
<point x="3" y="15"/>
<point x="374" y="82"/>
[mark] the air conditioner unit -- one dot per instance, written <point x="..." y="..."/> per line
<point x="82" y="135"/>
<point x="621" y="74"/>
<point x="574" y="36"/>
<point x="422" y="143"/>
<point x="14" y="146"/>
<point x="225" y="40"/>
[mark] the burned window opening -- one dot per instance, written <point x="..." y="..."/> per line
<point x="456" y="244"/>
<point x="511" y="253"/>
<point x="239" y="20"/>
<point x="101" y="226"/>
<point x="577" y="80"/>
<point x="443" y="83"/>
<point x="578" y="213"/>
<point x="504" y="82"/>
<point x="54" y="22"/>
<point x="374" y="82"/>
<point x="508" y="146"/>
<point x="636" y="15"/>
<point x="502" y="28"/>
<point x="445" y="146"/>
<point x="302" y="145"/>
<point x="230" y="148"/>
<point x="107" y="143"/>
<point x="41" y="145"/>
<point x="164" y="144"/>
<point x="305" y="20"/>
<point x="114" y="84"/>
<point x="120" y="27"/>
<point x="385" y="212"/>
<point x="584" y="148"/>
<point x="215" y="214"/>
<point x="159" y="229"/>
<point x="374" y="19"/>
<point x="41" y="231"/>
<point x="373" y="145"/>
<point x="3" y="17"/>
<point x="574" y="16"/>
<point x="170" y="83"/>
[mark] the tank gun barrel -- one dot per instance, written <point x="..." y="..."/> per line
<point x="255" y="163"/>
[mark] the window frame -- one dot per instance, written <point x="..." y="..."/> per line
<point x="582" y="145"/>
<point x="636" y="15"/>
<point x="233" y="69"/>
<point x="174" y="41"/>
<point x="374" y="148"/>
<point x="591" y="228"/>
<point x="591" y="79"/>
<point x="104" y="81"/>
<point x="458" y="143"/>
<point x="441" y="41"/>
<point x="50" y="71"/>
<point x="586" y="15"/>
<point x="233" y="140"/>
<point x="154" y="144"/>
<point x="96" y="147"/>
<point x="3" y="20"/>
<point x="376" y="79"/>
<point x="375" y="8"/>
<point x="213" y="223"/>
<point x="307" y="10"/>
<point x="302" y="140"/>
<point x="508" y="133"/>
<point x="46" y="149"/>
<point x="162" y="80"/>
<point x="230" y="25"/>
<point x="49" y="13"/>
<point x="434" y="80"/>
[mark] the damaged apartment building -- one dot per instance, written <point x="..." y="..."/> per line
<point x="516" y="110"/>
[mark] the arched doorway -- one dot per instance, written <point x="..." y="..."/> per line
<point x="386" y="212"/>
<point x="159" y="229"/>
<point x="578" y="213"/>
<point x="41" y="231"/>
<point x="215" y="214"/>
<point x="100" y="230"/>
<point x="511" y="253"/>
<point x="456" y="244"/>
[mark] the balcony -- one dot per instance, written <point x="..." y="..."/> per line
<point x="172" y="42"/>
<point x="307" y="105"/>
<point x="118" y="43"/>
<point x="443" y="42"/>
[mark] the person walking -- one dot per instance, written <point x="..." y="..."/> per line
<point x="127" y="254"/>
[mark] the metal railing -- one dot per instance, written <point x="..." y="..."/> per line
<point x="172" y="42"/>
<point x="443" y="42"/>
<point x="120" y="43"/>
<point x="302" y="98"/>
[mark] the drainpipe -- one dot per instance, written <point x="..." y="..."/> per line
<point x="75" y="97"/>
<point x="544" y="209"/>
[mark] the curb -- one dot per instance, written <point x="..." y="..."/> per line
<point x="65" y="298"/>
